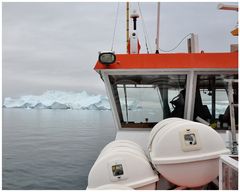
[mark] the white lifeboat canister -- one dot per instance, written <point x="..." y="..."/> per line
<point x="113" y="187"/>
<point x="124" y="163"/>
<point x="117" y="144"/>
<point x="186" y="153"/>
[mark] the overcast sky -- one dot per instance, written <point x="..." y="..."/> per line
<point x="54" y="46"/>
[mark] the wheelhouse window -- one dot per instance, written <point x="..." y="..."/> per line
<point x="144" y="100"/>
<point x="211" y="100"/>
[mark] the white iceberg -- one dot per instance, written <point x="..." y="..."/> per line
<point x="59" y="100"/>
<point x="65" y="100"/>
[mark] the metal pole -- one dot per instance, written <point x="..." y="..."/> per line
<point x="232" y="117"/>
<point x="158" y="25"/>
<point x="213" y="86"/>
<point x="126" y="103"/>
<point x="127" y="24"/>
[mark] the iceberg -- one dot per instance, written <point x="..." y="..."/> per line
<point x="59" y="100"/>
<point x="66" y="100"/>
<point x="57" y="105"/>
<point x="40" y="106"/>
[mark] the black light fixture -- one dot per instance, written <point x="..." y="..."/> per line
<point x="107" y="58"/>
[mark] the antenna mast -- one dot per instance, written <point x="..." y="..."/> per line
<point x="127" y="24"/>
<point x="158" y="24"/>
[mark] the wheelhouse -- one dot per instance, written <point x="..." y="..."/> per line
<point x="146" y="88"/>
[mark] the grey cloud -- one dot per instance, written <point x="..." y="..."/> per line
<point x="55" y="45"/>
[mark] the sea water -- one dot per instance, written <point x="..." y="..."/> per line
<point x="52" y="149"/>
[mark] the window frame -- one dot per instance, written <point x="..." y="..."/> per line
<point x="209" y="72"/>
<point x="190" y="87"/>
<point x="107" y="73"/>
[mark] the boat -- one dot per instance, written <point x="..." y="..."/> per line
<point x="176" y="116"/>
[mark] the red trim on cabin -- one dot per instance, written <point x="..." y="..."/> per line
<point x="177" y="61"/>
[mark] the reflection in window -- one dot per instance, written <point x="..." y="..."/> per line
<point x="211" y="101"/>
<point x="144" y="100"/>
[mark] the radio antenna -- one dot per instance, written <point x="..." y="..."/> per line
<point x="158" y="25"/>
<point x="127" y="25"/>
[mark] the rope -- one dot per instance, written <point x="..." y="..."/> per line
<point x="115" y="26"/>
<point x="177" y="44"/>
<point x="144" y="28"/>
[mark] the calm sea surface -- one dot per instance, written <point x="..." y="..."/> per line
<point x="52" y="149"/>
